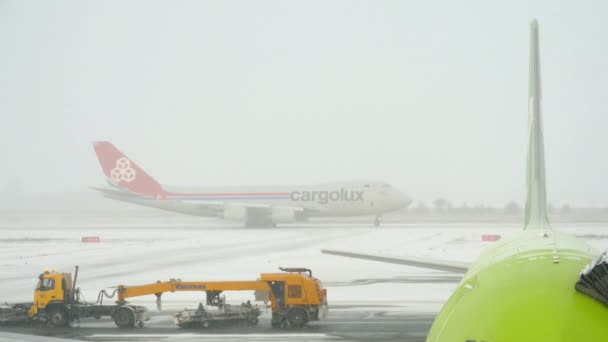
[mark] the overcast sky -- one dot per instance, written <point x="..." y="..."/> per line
<point x="429" y="96"/>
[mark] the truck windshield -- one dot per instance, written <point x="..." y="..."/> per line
<point x="47" y="284"/>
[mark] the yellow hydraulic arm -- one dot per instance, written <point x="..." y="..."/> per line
<point x="174" y="285"/>
<point x="295" y="296"/>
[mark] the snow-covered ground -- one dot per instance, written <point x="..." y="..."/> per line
<point x="146" y="253"/>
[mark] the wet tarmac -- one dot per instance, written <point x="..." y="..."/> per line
<point x="344" y="323"/>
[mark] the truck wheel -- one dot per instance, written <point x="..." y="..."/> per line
<point x="57" y="317"/>
<point x="124" y="318"/>
<point x="278" y="322"/>
<point x="297" y="318"/>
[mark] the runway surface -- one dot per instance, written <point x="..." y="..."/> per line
<point x="345" y="323"/>
<point x="368" y="300"/>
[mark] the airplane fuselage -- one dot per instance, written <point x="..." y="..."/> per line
<point x="329" y="199"/>
<point x="523" y="289"/>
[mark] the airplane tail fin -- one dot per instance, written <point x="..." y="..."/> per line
<point x="536" y="203"/>
<point x="124" y="173"/>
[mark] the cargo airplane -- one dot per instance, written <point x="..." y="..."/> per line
<point x="255" y="206"/>
<point x="541" y="285"/>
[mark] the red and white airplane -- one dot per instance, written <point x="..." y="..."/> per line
<point x="253" y="205"/>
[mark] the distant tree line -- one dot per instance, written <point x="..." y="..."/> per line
<point x="444" y="206"/>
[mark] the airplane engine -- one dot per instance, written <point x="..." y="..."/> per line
<point x="283" y="215"/>
<point x="235" y="213"/>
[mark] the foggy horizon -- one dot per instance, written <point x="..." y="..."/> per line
<point x="430" y="98"/>
<point x="353" y="170"/>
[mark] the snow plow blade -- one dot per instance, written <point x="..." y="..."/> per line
<point x="225" y="315"/>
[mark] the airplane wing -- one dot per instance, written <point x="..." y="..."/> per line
<point x="442" y="265"/>
<point x="206" y="208"/>
<point x="211" y="209"/>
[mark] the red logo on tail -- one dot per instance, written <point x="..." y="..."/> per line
<point x="123" y="171"/>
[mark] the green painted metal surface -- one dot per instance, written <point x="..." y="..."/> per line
<point x="523" y="289"/>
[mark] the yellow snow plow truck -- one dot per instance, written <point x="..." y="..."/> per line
<point x="57" y="302"/>
<point x="295" y="297"/>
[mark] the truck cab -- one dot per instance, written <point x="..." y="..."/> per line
<point x="53" y="291"/>
<point x="298" y="297"/>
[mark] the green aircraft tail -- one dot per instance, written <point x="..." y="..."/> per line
<point x="536" y="203"/>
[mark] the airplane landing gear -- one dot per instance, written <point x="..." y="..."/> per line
<point x="377" y="221"/>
